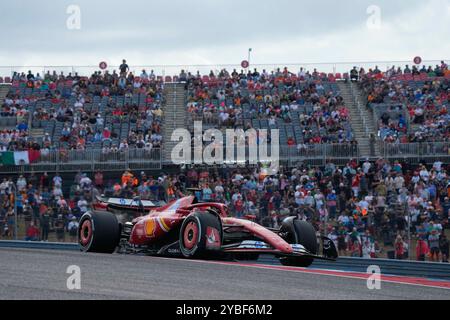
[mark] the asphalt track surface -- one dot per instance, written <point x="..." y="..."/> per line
<point x="40" y="274"/>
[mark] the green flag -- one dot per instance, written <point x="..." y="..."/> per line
<point x="7" y="158"/>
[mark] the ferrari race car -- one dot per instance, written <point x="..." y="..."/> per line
<point x="187" y="228"/>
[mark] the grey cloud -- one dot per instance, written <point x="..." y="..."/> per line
<point x="170" y="26"/>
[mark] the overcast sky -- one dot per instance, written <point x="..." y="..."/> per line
<point x="176" y="32"/>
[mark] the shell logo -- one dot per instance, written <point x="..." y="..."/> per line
<point x="150" y="227"/>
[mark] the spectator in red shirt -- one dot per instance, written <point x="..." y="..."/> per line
<point x="106" y="134"/>
<point x="32" y="233"/>
<point x="421" y="249"/>
<point x="291" y="142"/>
<point x="399" y="248"/>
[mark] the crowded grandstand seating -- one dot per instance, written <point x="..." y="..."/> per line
<point x="306" y="108"/>
<point x="412" y="105"/>
<point x="100" y="112"/>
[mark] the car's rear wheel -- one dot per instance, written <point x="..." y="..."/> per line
<point x="200" y="235"/>
<point x="299" y="232"/>
<point x="98" y="232"/>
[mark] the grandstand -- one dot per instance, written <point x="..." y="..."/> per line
<point x="323" y="117"/>
<point x="357" y="150"/>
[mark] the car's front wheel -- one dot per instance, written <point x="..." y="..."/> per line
<point x="200" y="235"/>
<point x="299" y="232"/>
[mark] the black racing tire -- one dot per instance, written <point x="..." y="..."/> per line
<point x="195" y="235"/>
<point x="299" y="232"/>
<point x="98" y="232"/>
<point x="303" y="262"/>
<point x="306" y="235"/>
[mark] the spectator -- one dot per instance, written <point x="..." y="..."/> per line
<point x="124" y="68"/>
<point x="399" y="248"/>
<point x="354" y="75"/>
<point x="45" y="224"/>
<point x="421" y="249"/>
<point x="433" y="240"/>
<point x="60" y="228"/>
<point x="73" y="229"/>
<point x="32" y="233"/>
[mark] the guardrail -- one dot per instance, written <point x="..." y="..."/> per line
<point x="39" y="245"/>
<point x="388" y="267"/>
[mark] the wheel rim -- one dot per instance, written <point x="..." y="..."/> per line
<point x="86" y="232"/>
<point x="190" y="235"/>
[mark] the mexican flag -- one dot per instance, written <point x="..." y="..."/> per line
<point x="10" y="158"/>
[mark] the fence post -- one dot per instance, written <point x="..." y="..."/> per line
<point x="127" y="157"/>
<point x="92" y="160"/>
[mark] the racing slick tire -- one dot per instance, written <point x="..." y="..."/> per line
<point x="98" y="232"/>
<point x="299" y="232"/>
<point x="201" y="235"/>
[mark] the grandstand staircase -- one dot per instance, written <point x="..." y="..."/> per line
<point x="175" y="116"/>
<point x="36" y="132"/>
<point x="361" y="119"/>
<point x="4" y="89"/>
<point x="7" y="122"/>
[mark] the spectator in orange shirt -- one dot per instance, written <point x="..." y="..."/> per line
<point x="127" y="176"/>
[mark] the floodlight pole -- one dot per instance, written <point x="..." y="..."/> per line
<point x="249" y="52"/>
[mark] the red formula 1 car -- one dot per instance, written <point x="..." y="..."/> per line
<point x="187" y="228"/>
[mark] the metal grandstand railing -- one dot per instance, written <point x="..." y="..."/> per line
<point x="319" y="154"/>
<point x="140" y="159"/>
<point x="91" y="160"/>
<point x="8" y="122"/>
<point x="174" y="69"/>
<point x="290" y="156"/>
<point x="424" y="150"/>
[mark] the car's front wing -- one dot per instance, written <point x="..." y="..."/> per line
<point x="250" y="246"/>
